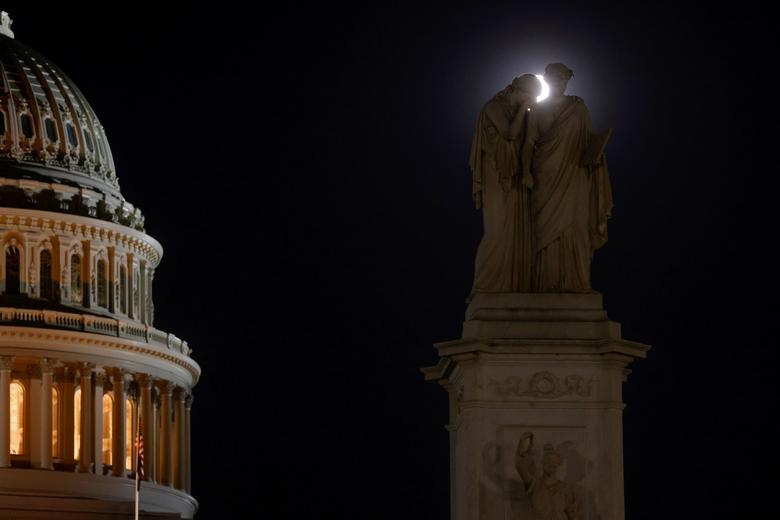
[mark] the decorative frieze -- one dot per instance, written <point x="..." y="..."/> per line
<point x="541" y="385"/>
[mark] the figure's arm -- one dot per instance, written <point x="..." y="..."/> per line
<point x="509" y="130"/>
<point x="524" y="462"/>
<point x="527" y="149"/>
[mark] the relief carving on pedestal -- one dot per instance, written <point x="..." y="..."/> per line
<point x="529" y="482"/>
<point x="545" y="385"/>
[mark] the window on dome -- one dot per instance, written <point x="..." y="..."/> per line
<point x="75" y="279"/>
<point x="17" y="418"/>
<point x="88" y="140"/>
<point x="12" y="270"/>
<point x="101" y="146"/>
<point x="108" y="428"/>
<point x="123" y="289"/>
<point x="51" y="130"/>
<point x="27" y="126"/>
<point x="45" y="275"/>
<point x="102" y="284"/>
<point x="72" y="139"/>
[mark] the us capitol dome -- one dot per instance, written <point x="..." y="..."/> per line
<point x="80" y="359"/>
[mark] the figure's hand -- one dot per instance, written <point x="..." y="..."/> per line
<point x="525" y="444"/>
<point x="527" y="180"/>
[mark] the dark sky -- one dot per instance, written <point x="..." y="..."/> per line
<point x="306" y="172"/>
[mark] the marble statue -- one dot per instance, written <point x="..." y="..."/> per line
<point x="551" y="498"/>
<point x="541" y="232"/>
<point x="503" y="262"/>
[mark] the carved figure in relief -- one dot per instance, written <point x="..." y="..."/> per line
<point x="551" y="498"/>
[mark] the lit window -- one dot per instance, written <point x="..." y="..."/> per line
<point x="55" y="422"/>
<point x="77" y="424"/>
<point x="75" y="279"/>
<point x="46" y="285"/>
<point x="17" y="418"/>
<point x="12" y="270"/>
<point x="108" y="428"/>
<point x="129" y="435"/>
<point x="102" y="283"/>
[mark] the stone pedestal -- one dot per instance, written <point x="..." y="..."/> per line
<point x="547" y="368"/>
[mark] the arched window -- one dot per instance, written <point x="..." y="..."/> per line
<point x="108" y="428"/>
<point x="123" y="289"/>
<point x="135" y="293"/>
<point x="12" y="270"/>
<point x="129" y="434"/>
<point x="75" y="279"/>
<point x="2" y="122"/>
<point x="17" y="418"/>
<point x="102" y="283"/>
<point x="77" y="424"/>
<point x="55" y="422"/>
<point x="45" y="274"/>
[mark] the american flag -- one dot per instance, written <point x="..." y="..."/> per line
<point x="139" y="457"/>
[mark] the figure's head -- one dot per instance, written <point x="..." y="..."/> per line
<point x="551" y="460"/>
<point x="525" y="89"/>
<point x="557" y="76"/>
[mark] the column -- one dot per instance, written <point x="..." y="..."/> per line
<point x="85" y="448"/>
<point x="67" y="425"/>
<point x="187" y="444"/>
<point x="47" y="380"/>
<point x="6" y="363"/>
<point x="33" y="429"/>
<point x="166" y="434"/>
<point x="147" y="424"/>
<point x="179" y="453"/>
<point x="119" y="418"/>
<point x="97" y="421"/>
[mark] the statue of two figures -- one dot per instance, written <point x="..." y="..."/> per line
<point x="541" y="492"/>
<point x="541" y="179"/>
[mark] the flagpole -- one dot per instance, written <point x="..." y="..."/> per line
<point x="137" y="468"/>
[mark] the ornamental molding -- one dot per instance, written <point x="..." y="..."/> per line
<point x="542" y="385"/>
<point x="81" y="228"/>
<point x="51" y="337"/>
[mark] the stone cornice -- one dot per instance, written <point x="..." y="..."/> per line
<point x="82" y="228"/>
<point x="65" y="342"/>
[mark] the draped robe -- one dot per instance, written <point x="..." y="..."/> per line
<point x="503" y="262"/>
<point x="570" y="202"/>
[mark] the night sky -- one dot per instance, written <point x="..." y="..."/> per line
<point x="306" y="172"/>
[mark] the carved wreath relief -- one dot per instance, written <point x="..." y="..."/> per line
<point x="545" y="385"/>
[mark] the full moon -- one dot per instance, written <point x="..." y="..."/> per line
<point x="545" y="88"/>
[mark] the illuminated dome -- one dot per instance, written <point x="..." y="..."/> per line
<point x="54" y="153"/>
<point x="82" y="367"/>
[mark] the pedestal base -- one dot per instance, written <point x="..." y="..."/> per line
<point x="546" y="368"/>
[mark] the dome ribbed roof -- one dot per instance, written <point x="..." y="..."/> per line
<point x="48" y="131"/>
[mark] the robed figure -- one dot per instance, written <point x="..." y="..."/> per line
<point x="571" y="196"/>
<point x="504" y="256"/>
